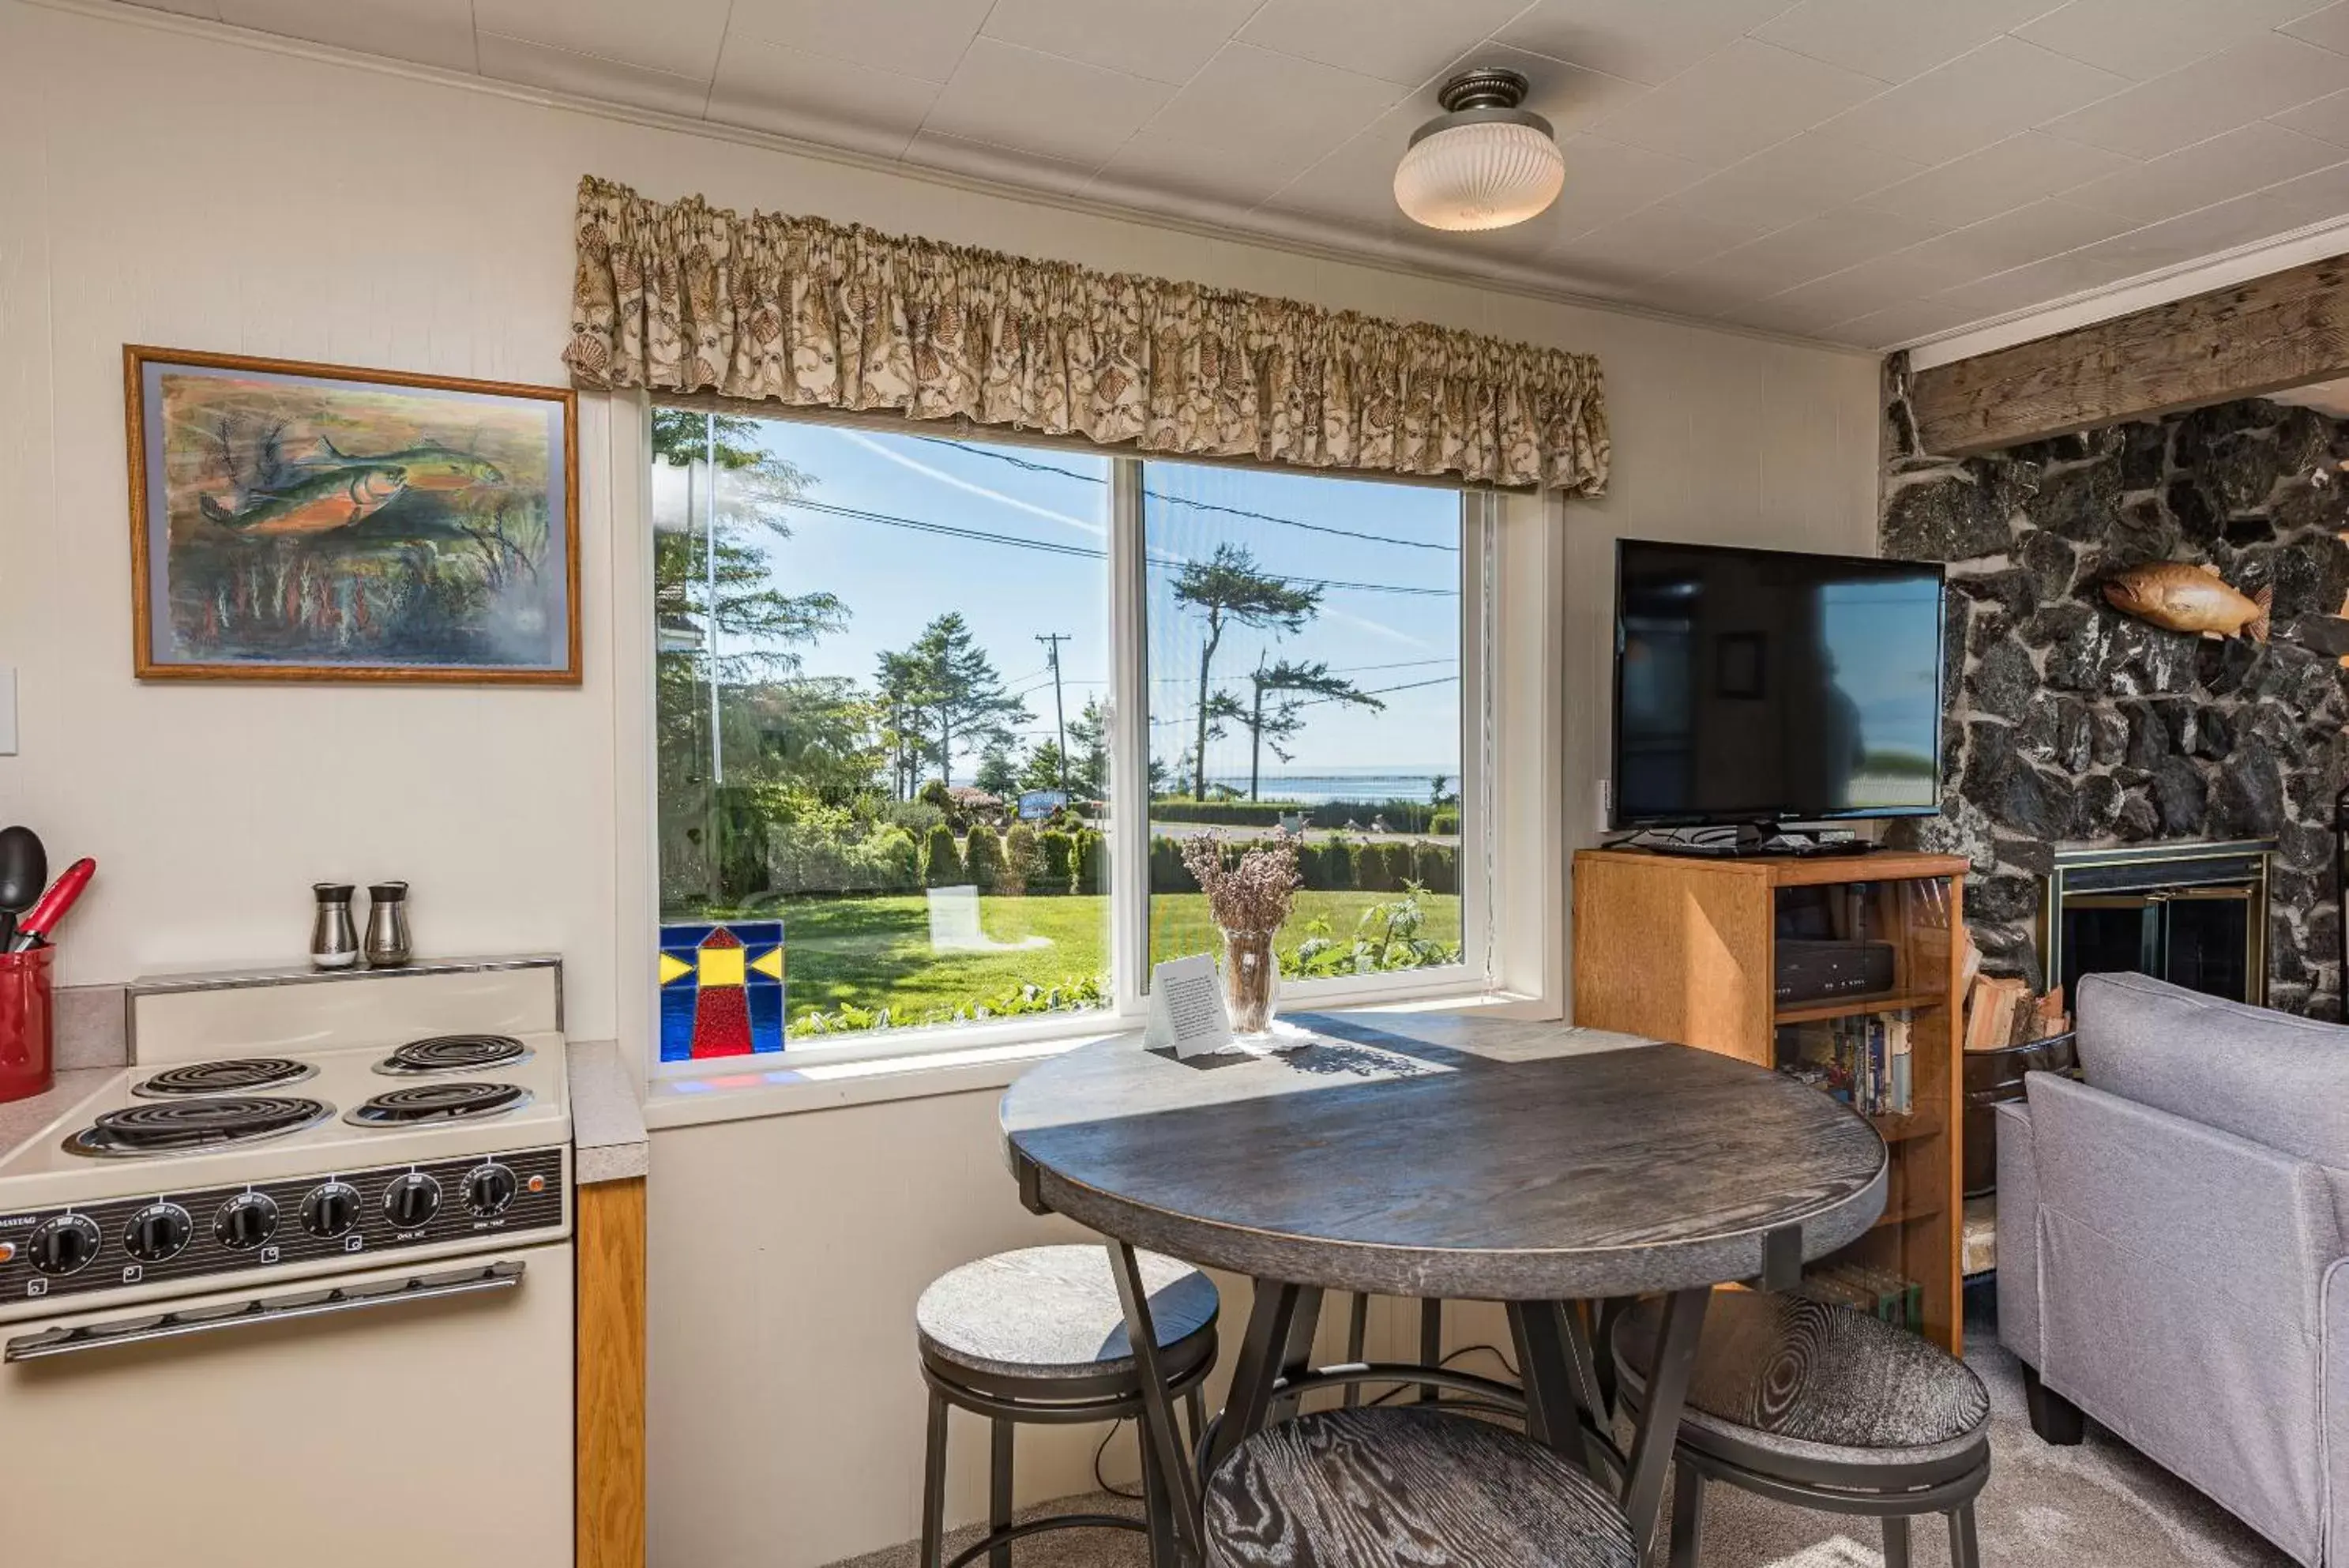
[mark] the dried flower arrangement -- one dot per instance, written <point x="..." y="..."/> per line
<point x="1255" y="894"/>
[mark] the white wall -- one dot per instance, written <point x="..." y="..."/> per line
<point x="195" y="192"/>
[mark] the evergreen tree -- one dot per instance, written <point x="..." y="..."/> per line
<point x="1229" y="590"/>
<point x="956" y="688"/>
<point x="1291" y="687"/>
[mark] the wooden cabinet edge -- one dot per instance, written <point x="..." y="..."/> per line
<point x="609" y="1391"/>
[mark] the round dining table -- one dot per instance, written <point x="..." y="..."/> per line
<point x="1444" y="1157"/>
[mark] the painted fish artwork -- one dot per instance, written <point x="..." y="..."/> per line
<point x="298" y="522"/>
<point x="2177" y="597"/>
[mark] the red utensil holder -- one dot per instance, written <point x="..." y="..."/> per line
<point x="26" y="1061"/>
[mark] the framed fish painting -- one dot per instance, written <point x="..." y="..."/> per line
<point x="298" y="522"/>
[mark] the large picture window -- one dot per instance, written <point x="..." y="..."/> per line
<point x="891" y="761"/>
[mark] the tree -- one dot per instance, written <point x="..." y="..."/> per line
<point x="1045" y="769"/>
<point x="1441" y="793"/>
<point x="900" y="701"/>
<point x="1292" y="687"/>
<point x="729" y="697"/>
<point x="996" y="775"/>
<point x="1089" y="751"/>
<point x="954" y="686"/>
<point x="1229" y="590"/>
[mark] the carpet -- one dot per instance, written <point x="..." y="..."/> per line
<point x="2099" y="1505"/>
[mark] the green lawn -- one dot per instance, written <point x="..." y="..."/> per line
<point x="876" y="952"/>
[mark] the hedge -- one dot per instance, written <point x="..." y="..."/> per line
<point x="983" y="858"/>
<point x="942" y="866"/>
<point x="1059" y="852"/>
<point x="1021" y="863"/>
<point x="1093" y="863"/>
<point x="1401" y="815"/>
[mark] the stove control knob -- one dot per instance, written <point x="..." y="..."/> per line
<point x="331" y="1210"/>
<point x="411" y="1200"/>
<point x="158" y="1233"/>
<point x="64" y="1245"/>
<point x="488" y="1188"/>
<point x="245" y="1221"/>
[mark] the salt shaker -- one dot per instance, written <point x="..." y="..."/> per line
<point x="333" y="938"/>
<point x="387" y="932"/>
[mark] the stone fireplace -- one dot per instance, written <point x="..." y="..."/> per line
<point x="2071" y="729"/>
<point x="2193" y="914"/>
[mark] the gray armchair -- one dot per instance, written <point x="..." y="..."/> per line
<point x="2171" y="1250"/>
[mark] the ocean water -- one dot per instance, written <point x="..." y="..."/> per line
<point x="1321" y="788"/>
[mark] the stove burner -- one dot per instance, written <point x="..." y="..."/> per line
<point x="457" y="1102"/>
<point x="227" y="1077"/>
<point x="454" y="1054"/>
<point x="195" y="1126"/>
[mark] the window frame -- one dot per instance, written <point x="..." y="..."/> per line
<point x="1476" y="977"/>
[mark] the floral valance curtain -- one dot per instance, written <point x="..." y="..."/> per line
<point x="680" y="296"/>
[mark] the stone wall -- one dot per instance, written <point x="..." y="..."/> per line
<point x="2069" y="722"/>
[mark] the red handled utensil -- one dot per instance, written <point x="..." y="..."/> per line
<point x="42" y="916"/>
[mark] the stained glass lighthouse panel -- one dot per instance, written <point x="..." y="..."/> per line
<point x="721" y="989"/>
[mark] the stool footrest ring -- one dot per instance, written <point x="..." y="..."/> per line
<point x="1011" y="1533"/>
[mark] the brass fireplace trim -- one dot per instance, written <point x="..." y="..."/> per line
<point x="2234" y="862"/>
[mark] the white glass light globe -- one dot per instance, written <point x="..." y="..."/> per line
<point x="1485" y="174"/>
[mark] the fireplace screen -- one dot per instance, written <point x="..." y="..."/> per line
<point x="2193" y="913"/>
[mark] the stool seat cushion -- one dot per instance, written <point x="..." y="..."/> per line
<point x="1407" y="1488"/>
<point x="1812" y="1380"/>
<point x="1053" y="1311"/>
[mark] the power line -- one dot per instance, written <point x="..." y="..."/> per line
<point x="1090" y="552"/>
<point x="1034" y="467"/>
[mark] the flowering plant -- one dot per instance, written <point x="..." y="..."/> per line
<point x="1255" y="894"/>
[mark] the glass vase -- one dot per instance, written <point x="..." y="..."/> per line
<point x="1251" y="978"/>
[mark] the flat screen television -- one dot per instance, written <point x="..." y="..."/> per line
<point x="1765" y="686"/>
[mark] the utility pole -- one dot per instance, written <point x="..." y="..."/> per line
<point x="1052" y="641"/>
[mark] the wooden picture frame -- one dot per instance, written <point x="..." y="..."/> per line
<point x="300" y="522"/>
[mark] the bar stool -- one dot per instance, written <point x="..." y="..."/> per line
<point x="1824" y="1408"/>
<point x="1038" y="1335"/>
<point x="1403" y="1486"/>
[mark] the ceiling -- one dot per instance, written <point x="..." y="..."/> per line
<point x="1866" y="171"/>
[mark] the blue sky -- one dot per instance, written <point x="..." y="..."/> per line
<point x="894" y="580"/>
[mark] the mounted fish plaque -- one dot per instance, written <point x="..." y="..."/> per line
<point x="2177" y="597"/>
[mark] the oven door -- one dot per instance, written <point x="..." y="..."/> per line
<point x="416" y="1416"/>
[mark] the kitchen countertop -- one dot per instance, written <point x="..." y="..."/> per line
<point x="607" y="1122"/>
<point x="20" y="1119"/>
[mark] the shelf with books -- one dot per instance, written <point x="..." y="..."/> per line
<point x="1691" y="950"/>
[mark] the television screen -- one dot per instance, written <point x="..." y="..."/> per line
<point x="1770" y="685"/>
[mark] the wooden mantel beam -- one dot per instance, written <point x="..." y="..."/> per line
<point x="2283" y="330"/>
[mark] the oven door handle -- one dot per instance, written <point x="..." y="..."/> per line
<point x="500" y="1276"/>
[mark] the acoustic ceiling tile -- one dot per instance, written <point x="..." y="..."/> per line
<point x="1811" y="249"/>
<point x="1403" y="41"/>
<point x="1979" y="98"/>
<point x="793" y="92"/>
<point x="1035" y="102"/>
<point x="2142" y="39"/>
<point x="1166" y="40"/>
<point x="2327" y="28"/>
<point x="911" y="37"/>
<point x="2002" y="176"/>
<point x="590" y="76"/>
<point x="980" y="161"/>
<point x="1893" y="39"/>
<point x="1733" y="104"/>
<point x="2228" y="165"/>
<point x="1638" y="39"/>
<point x="678" y="38"/>
<point x="1254" y="103"/>
<point x="1800" y="177"/>
<point x="2265" y="76"/>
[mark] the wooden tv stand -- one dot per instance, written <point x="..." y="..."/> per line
<point x="1683" y="948"/>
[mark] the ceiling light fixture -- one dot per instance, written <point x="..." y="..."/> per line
<point x="1484" y="163"/>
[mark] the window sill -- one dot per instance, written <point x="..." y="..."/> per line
<point x="742" y="1089"/>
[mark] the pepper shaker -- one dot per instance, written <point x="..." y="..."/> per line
<point x="387" y="930"/>
<point x="333" y="938"/>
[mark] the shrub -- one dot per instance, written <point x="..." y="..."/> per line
<point x="1436" y="866"/>
<point x="1225" y="812"/>
<point x="1021" y="863"/>
<point x="943" y="866"/>
<point x="1329" y="868"/>
<point x="1382" y="867"/>
<point x="1093" y="863"/>
<point x="1167" y="872"/>
<point x="1445" y="821"/>
<point x="983" y="857"/>
<point x="899" y="857"/>
<point x="1057" y="850"/>
<point x="915" y="816"/>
